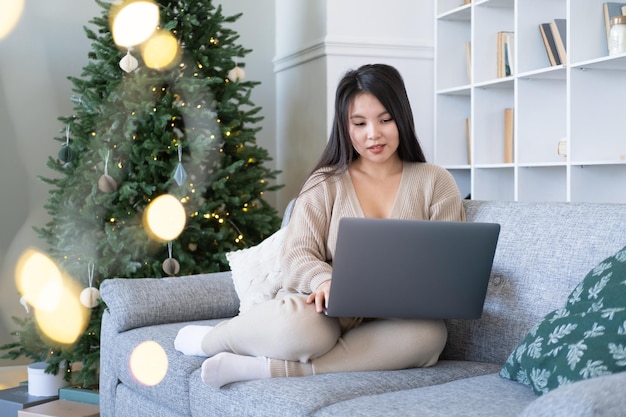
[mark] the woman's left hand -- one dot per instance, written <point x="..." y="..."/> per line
<point x="320" y="296"/>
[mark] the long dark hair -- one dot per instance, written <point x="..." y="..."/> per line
<point x="386" y="84"/>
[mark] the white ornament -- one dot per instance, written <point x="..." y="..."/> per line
<point x="129" y="63"/>
<point x="89" y="297"/>
<point x="236" y="74"/>
<point x="24" y="303"/>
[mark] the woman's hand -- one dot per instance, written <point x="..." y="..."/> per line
<point x="320" y="296"/>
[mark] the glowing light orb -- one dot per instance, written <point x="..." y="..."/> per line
<point x="133" y="21"/>
<point x="161" y="51"/>
<point x="10" y="13"/>
<point x="148" y="363"/>
<point x="165" y="218"/>
<point x="54" y="296"/>
<point x="69" y="320"/>
<point x="39" y="280"/>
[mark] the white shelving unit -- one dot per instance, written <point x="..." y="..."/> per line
<point x="582" y="102"/>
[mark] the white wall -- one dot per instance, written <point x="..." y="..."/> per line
<point x="256" y="28"/>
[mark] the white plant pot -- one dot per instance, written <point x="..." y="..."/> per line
<point x="41" y="384"/>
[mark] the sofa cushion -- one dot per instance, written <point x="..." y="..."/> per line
<point x="175" y="385"/>
<point x="584" y="339"/>
<point x="256" y="271"/>
<point x="303" y="396"/>
<point x="140" y="302"/>
<point x="485" y="395"/>
<point x="588" y="398"/>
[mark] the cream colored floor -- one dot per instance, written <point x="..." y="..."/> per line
<point x="11" y="376"/>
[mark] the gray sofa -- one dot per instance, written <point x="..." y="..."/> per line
<point x="544" y="251"/>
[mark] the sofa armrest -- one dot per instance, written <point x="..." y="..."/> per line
<point x="140" y="302"/>
<point x="601" y="396"/>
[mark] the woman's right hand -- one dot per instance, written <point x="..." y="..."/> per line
<point x="320" y="296"/>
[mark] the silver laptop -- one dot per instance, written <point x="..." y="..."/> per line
<point x="386" y="268"/>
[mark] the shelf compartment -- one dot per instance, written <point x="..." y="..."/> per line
<point x="531" y="52"/>
<point x="494" y="184"/>
<point x="587" y="34"/>
<point x="451" y="62"/>
<point x="463" y="179"/>
<point x="490" y="18"/>
<point x="542" y="183"/>
<point x="453" y="110"/>
<point x="597" y="115"/>
<point x="593" y="183"/>
<point x="453" y="9"/>
<point x="542" y="106"/>
<point x="488" y="123"/>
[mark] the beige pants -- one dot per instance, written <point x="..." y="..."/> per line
<point x="299" y="341"/>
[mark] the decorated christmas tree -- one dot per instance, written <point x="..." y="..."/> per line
<point x="160" y="113"/>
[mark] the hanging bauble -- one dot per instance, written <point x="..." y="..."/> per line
<point x="66" y="154"/>
<point x="24" y="303"/>
<point x="129" y="63"/>
<point x="236" y="74"/>
<point x="171" y="266"/>
<point x="180" y="174"/>
<point x="107" y="184"/>
<point x="89" y="297"/>
<point x="192" y="246"/>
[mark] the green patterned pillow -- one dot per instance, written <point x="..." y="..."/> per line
<point x="585" y="339"/>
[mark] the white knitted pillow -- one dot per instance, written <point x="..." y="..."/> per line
<point x="256" y="271"/>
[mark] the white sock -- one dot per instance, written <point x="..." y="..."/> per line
<point x="226" y="367"/>
<point x="189" y="339"/>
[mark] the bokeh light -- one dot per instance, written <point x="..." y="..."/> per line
<point x="148" y="363"/>
<point x="10" y="13"/>
<point x="165" y="218"/>
<point x="39" y="280"/>
<point x="133" y="21"/>
<point x="55" y="297"/>
<point x="161" y="51"/>
<point x="68" y="321"/>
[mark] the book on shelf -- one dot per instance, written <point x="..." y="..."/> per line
<point x="559" y="33"/>
<point x="611" y="9"/>
<point x="61" y="408"/>
<point x="12" y="400"/>
<point x="548" y="41"/>
<point x="468" y="60"/>
<point x="508" y="135"/>
<point x="506" y="46"/>
<point x="468" y="139"/>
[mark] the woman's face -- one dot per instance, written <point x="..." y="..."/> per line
<point x="373" y="132"/>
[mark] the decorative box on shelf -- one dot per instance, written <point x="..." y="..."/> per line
<point x="80" y="395"/>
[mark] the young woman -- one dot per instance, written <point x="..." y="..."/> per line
<point x="373" y="166"/>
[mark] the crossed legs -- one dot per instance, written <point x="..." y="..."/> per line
<point x="299" y="341"/>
